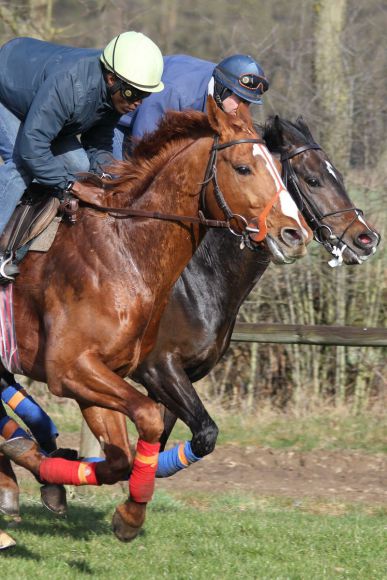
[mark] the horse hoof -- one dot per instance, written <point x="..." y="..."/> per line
<point x="6" y="541"/>
<point x="122" y="530"/>
<point x="9" y="502"/>
<point x="53" y="498"/>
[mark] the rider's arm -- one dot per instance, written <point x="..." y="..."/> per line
<point x="52" y="108"/>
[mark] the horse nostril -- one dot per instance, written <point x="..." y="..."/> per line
<point x="367" y="239"/>
<point x="291" y="237"/>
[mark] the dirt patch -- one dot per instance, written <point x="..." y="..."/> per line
<point x="346" y="476"/>
<point x="342" y="475"/>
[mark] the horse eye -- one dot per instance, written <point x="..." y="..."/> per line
<point x="312" y="181"/>
<point x="243" y="170"/>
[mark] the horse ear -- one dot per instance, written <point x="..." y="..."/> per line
<point x="218" y="119"/>
<point x="279" y="129"/>
<point x="243" y="112"/>
<point x="303" y="127"/>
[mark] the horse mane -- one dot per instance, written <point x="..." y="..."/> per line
<point x="276" y="129"/>
<point x="134" y="175"/>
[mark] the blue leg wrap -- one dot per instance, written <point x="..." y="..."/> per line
<point x="173" y="460"/>
<point x="37" y="420"/>
<point x="13" y="430"/>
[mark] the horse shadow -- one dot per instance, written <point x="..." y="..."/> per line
<point x="80" y="523"/>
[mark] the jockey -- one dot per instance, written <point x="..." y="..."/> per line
<point x="188" y="81"/>
<point x="50" y="95"/>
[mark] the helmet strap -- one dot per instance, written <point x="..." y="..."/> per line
<point x="220" y="94"/>
<point x="115" y="88"/>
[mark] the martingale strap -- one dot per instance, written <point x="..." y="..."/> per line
<point x="9" y="354"/>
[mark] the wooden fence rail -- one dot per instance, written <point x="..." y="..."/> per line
<point x="283" y="334"/>
<point x="300" y="334"/>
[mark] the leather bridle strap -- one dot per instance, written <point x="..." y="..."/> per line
<point x="301" y="149"/>
<point x="314" y="217"/>
<point x="210" y="174"/>
<point x="218" y="146"/>
<point x="122" y="213"/>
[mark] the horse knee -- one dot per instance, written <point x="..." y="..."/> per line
<point x="204" y="441"/>
<point x="149" y="422"/>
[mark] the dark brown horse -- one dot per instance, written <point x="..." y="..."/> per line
<point x="197" y="324"/>
<point x="87" y="312"/>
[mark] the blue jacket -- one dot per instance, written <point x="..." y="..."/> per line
<point x="186" y="87"/>
<point x="56" y="90"/>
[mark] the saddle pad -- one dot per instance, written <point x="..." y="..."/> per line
<point x="9" y="355"/>
<point x="43" y="242"/>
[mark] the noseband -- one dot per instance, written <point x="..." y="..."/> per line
<point x="247" y="228"/>
<point x="312" y="214"/>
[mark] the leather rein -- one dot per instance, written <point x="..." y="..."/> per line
<point x="210" y="175"/>
<point x="311" y="213"/>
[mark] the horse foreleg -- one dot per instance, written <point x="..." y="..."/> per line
<point x="110" y="429"/>
<point x="168" y="383"/>
<point x="42" y="428"/>
<point x="9" y="489"/>
<point x="169" y="419"/>
<point x="93" y="384"/>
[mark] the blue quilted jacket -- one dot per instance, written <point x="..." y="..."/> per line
<point x="56" y="90"/>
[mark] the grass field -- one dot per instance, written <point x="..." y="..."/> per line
<point x="208" y="535"/>
<point x="205" y="537"/>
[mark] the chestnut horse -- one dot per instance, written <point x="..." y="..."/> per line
<point x="202" y="320"/>
<point x="88" y="311"/>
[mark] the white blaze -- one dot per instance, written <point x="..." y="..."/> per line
<point x="288" y="205"/>
<point x="330" y="169"/>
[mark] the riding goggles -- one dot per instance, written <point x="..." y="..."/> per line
<point x="132" y="94"/>
<point x="253" y="82"/>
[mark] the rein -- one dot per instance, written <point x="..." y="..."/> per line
<point x="312" y="214"/>
<point x="210" y="175"/>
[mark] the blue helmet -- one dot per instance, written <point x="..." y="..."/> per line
<point x="242" y="75"/>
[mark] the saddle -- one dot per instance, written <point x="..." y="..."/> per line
<point x="36" y="211"/>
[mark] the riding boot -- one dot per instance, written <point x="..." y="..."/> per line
<point x="8" y="270"/>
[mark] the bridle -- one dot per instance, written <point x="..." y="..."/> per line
<point x="314" y="218"/>
<point x="256" y="226"/>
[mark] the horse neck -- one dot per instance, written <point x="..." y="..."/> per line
<point x="174" y="190"/>
<point x="223" y="272"/>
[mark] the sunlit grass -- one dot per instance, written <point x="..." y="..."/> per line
<point x="222" y="537"/>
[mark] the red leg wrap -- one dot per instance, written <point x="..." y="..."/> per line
<point x="63" y="471"/>
<point x="142" y="478"/>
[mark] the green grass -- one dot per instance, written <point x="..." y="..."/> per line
<point x="202" y="538"/>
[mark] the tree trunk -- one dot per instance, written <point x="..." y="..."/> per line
<point x="332" y="84"/>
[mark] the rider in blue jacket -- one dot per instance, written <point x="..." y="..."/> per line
<point x="187" y="83"/>
<point x="50" y="95"/>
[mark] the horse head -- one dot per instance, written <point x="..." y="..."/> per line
<point x="319" y="192"/>
<point x="242" y="179"/>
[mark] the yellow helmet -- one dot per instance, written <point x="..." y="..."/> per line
<point x="135" y="59"/>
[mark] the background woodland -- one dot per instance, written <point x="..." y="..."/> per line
<point x="326" y="60"/>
